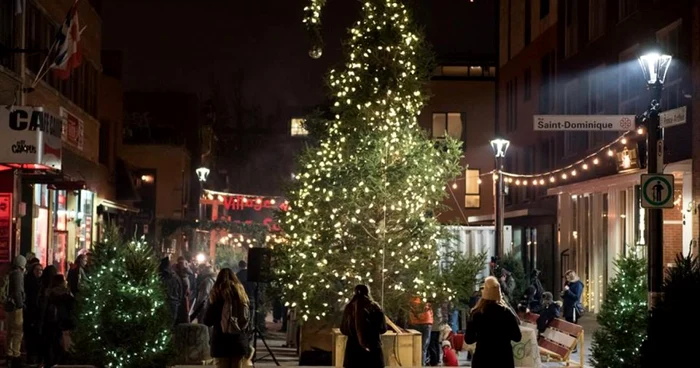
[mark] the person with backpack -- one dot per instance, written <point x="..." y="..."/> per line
<point x="13" y="300"/>
<point x="229" y="315"/>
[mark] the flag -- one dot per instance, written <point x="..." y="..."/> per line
<point x="19" y="7"/>
<point x="68" y="56"/>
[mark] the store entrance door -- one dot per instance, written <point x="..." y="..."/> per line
<point x="60" y="246"/>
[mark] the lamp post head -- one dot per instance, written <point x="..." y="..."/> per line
<point x="655" y="65"/>
<point x="202" y="174"/>
<point x="500" y="146"/>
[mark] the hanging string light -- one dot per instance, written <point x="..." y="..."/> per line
<point x="569" y="171"/>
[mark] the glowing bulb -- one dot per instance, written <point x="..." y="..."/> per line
<point x="201" y="258"/>
<point x="551" y="180"/>
<point x="585" y="166"/>
<point x="611" y="153"/>
<point x="517" y="182"/>
<point x="563" y="176"/>
<point x="573" y="173"/>
<point x="542" y="181"/>
<point x="640" y="131"/>
<point x="454" y="186"/>
<point x="478" y="181"/>
<point x="595" y="161"/>
<point x="623" y="141"/>
<point x="524" y="182"/>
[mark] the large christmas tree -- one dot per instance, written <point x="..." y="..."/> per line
<point x="623" y="317"/>
<point x="362" y="204"/>
<point x="122" y="319"/>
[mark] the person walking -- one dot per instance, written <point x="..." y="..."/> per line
<point x="14" y="311"/>
<point x="571" y="295"/>
<point x="229" y="315"/>
<point x="76" y="275"/>
<point x="363" y="323"/>
<point x="492" y="327"/>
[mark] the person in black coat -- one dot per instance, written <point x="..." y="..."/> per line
<point x="573" y="290"/>
<point x="492" y="327"/>
<point x="363" y="324"/>
<point x="32" y="315"/>
<point x="228" y="295"/>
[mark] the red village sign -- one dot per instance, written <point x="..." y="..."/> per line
<point x="248" y="209"/>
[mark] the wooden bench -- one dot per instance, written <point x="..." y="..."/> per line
<point x="559" y="340"/>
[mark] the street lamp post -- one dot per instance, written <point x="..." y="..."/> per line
<point x="202" y="175"/>
<point x="500" y="146"/>
<point x="655" y="66"/>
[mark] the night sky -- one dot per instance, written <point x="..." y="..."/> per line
<point x="187" y="45"/>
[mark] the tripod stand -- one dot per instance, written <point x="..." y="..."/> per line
<point x="257" y="333"/>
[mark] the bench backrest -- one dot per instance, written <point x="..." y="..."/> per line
<point x="560" y="337"/>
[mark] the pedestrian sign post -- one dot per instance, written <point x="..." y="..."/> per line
<point x="657" y="191"/>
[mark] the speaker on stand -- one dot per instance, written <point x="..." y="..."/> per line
<point x="259" y="260"/>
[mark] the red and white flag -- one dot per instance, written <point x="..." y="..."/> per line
<point x="68" y="55"/>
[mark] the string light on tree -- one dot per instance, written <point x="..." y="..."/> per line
<point x="362" y="207"/>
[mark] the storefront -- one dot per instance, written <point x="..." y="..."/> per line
<point x="30" y="141"/>
<point x="601" y="219"/>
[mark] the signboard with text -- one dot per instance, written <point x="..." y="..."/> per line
<point x="673" y="117"/>
<point x="30" y="136"/>
<point x="583" y="123"/>
<point x="5" y="227"/>
<point x="250" y="210"/>
<point x="73" y="129"/>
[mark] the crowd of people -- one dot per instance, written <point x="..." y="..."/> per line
<point x="39" y="308"/>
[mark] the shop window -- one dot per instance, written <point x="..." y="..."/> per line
<point x="445" y="124"/>
<point x="630" y="80"/>
<point x="472" y="196"/>
<point x="298" y="129"/>
<point x="544" y="8"/>
<point x="596" y="18"/>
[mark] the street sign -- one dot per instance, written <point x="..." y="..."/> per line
<point x="673" y="117"/>
<point x="583" y="123"/>
<point x="657" y="191"/>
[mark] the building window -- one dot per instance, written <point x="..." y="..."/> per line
<point x="512" y="105"/>
<point x="596" y="18"/>
<point x="528" y="22"/>
<point x="547" y="73"/>
<point x="527" y="84"/>
<point x="571" y="28"/>
<point x="597" y="82"/>
<point x="630" y="82"/>
<point x="445" y="124"/>
<point x="670" y="40"/>
<point x="574" y="142"/>
<point x="472" y="189"/>
<point x="7" y="33"/>
<point x="298" y="128"/>
<point x="544" y="8"/>
<point x="627" y="8"/>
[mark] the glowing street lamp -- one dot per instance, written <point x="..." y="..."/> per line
<point x="202" y="174"/>
<point x="655" y="65"/>
<point x="500" y="147"/>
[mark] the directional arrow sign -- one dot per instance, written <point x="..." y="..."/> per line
<point x="657" y="191"/>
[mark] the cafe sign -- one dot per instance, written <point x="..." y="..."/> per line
<point x="30" y="137"/>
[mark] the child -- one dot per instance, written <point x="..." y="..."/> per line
<point x="449" y="356"/>
<point x="550" y="311"/>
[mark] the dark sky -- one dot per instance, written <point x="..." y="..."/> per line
<point x="187" y="45"/>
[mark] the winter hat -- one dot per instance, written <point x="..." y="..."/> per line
<point x="446" y="343"/>
<point x="20" y="262"/>
<point x="492" y="289"/>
